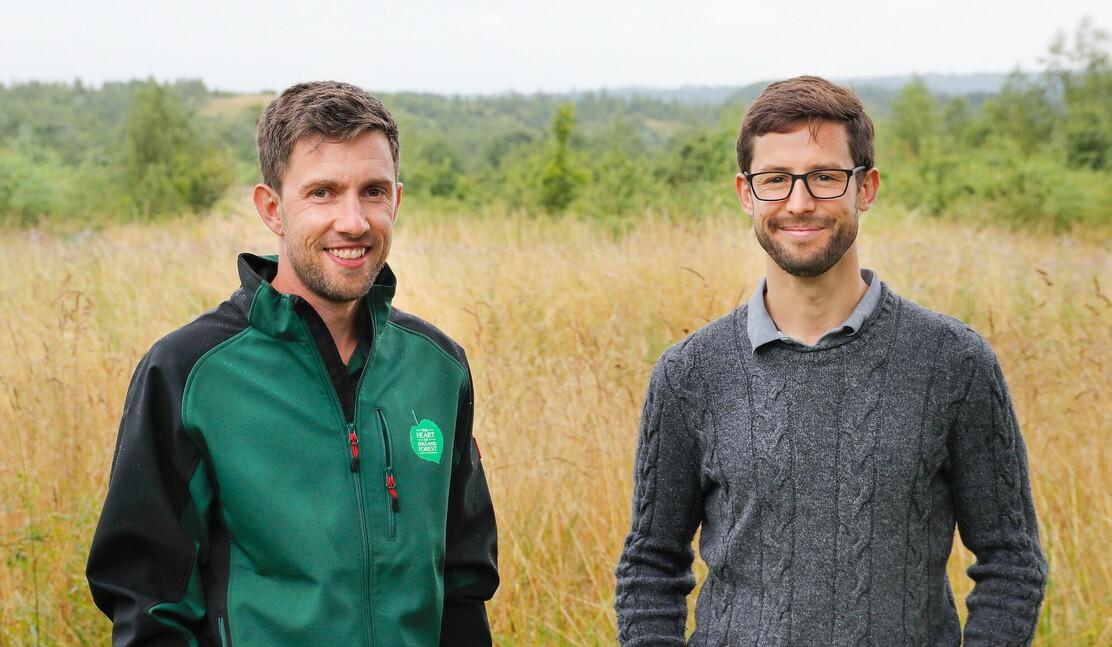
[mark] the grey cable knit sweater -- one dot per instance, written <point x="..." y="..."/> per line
<point x="827" y="484"/>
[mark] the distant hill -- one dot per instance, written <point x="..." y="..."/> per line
<point x="687" y="94"/>
<point x="983" y="83"/>
<point x="949" y="84"/>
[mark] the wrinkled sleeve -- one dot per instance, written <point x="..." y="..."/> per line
<point x="144" y="561"/>
<point x="471" y="548"/>
<point x="654" y="574"/>
<point x="995" y="513"/>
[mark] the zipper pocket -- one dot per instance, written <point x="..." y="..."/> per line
<point x="224" y="642"/>
<point x="392" y="504"/>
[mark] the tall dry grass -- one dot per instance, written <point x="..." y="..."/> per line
<point x="562" y="321"/>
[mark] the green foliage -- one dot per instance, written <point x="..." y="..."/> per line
<point x="125" y="150"/>
<point x="561" y="177"/>
<point x="702" y="154"/>
<point x="932" y="181"/>
<point x="1088" y="142"/>
<point x="1082" y="74"/>
<point x="27" y="188"/>
<point x="915" y="117"/>
<point x="1039" y="153"/>
<point x="166" y="164"/>
<point x="1021" y="113"/>
<point x="1036" y="153"/>
<point x="237" y="134"/>
<point x="957" y="116"/>
<point x="621" y="183"/>
<point x="435" y="170"/>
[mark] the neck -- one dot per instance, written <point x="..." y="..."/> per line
<point x="338" y="317"/>
<point x="806" y="307"/>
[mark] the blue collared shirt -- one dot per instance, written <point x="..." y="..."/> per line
<point x="762" y="330"/>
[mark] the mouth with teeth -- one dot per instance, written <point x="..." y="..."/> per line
<point x="348" y="256"/>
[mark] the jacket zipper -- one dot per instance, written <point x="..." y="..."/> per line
<point x="353" y="440"/>
<point x="366" y="579"/>
<point x="352" y="437"/>
<point x="392" y="503"/>
<point x="224" y="642"/>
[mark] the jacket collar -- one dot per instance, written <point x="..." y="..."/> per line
<point x="276" y="314"/>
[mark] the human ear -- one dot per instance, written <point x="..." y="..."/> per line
<point x="866" y="193"/>
<point x="744" y="195"/>
<point x="397" y="202"/>
<point x="269" y="205"/>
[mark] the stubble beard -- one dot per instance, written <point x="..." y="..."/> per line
<point x="814" y="264"/>
<point x="313" y="276"/>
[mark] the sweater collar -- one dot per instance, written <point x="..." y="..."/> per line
<point x="276" y="314"/>
<point x="762" y="329"/>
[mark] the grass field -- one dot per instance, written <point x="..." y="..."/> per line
<point x="562" y="321"/>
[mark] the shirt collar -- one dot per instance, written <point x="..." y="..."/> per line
<point x="357" y="360"/>
<point x="762" y="330"/>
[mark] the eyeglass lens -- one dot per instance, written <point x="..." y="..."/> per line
<point x="823" y="183"/>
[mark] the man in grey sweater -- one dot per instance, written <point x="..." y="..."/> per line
<point x="827" y="436"/>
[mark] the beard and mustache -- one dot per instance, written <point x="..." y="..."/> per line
<point x="310" y="268"/>
<point x="843" y="231"/>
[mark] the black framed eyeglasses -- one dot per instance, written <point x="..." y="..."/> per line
<point x="822" y="184"/>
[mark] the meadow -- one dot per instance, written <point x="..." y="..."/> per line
<point x="562" y="320"/>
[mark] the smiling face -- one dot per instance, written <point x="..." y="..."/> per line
<point x="805" y="236"/>
<point x="335" y="216"/>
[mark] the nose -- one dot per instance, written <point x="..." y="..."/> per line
<point x="800" y="201"/>
<point x="351" y="221"/>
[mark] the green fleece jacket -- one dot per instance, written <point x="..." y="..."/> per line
<point x="261" y="495"/>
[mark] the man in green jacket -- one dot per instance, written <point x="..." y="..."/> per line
<point x="297" y="467"/>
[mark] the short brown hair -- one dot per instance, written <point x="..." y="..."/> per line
<point x="323" y="109"/>
<point x="806" y="99"/>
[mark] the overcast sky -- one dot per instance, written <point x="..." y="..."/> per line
<point x="499" y="45"/>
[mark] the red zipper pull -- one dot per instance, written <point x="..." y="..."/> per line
<point x="353" y="440"/>
<point x="392" y="489"/>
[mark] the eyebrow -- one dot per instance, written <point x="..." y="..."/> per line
<point x="328" y="183"/>
<point x="813" y="167"/>
<point x="314" y="183"/>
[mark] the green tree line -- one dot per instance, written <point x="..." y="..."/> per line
<point x="1038" y="152"/>
<point x="123" y="151"/>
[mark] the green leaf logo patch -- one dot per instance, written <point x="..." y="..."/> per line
<point x="427" y="440"/>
